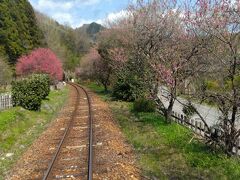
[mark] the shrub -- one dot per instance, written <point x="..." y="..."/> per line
<point x="40" y="83"/>
<point x="30" y="91"/>
<point x="128" y="88"/>
<point x="18" y="89"/>
<point x="144" y="105"/>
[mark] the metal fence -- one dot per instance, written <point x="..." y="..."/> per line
<point x="5" y="101"/>
<point x="198" y="127"/>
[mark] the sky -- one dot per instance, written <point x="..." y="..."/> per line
<point x="75" y="13"/>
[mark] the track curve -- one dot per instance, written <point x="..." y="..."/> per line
<point x="68" y="148"/>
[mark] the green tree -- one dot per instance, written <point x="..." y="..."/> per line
<point x="19" y="32"/>
<point x="5" y="73"/>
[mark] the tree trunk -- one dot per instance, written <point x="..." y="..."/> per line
<point x="230" y="141"/>
<point x="169" y="110"/>
<point x="105" y="88"/>
<point x="229" y="136"/>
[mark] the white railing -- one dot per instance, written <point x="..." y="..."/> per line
<point x="5" y="101"/>
<point x="198" y="127"/>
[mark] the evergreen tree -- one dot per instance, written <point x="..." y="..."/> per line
<point x="19" y="32"/>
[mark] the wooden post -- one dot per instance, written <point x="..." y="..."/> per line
<point x="201" y="127"/>
<point x="173" y="113"/>
<point x="2" y="99"/>
<point x="182" y="120"/>
<point x="185" y="121"/>
<point x="196" y="126"/>
<point x="11" y="104"/>
<point x="188" y="122"/>
<point x="173" y="116"/>
<point x="4" y="102"/>
<point x="192" y="124"/>
<point x="205" y="129"/>
<point x="237" y="146"/>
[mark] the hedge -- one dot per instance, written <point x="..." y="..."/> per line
<point x="29" y="92"/>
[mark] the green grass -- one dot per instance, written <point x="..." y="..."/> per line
<point x="20" y="127"/>
<point x="165" y="151"/>
<point x="106" y="96"/>
<point x="4" y="89"/>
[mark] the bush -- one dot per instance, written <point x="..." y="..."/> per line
<point x="40" y="83"/>
<point x="144" y="105"/>
<point x="29" y="92"/>
<point x="128" y="89"/>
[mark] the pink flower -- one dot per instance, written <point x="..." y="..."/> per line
<point x="41" y="60"/>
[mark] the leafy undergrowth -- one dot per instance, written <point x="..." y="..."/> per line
<point x="4" y="89"/>
<point x="20" y="127"/>
<point x="98" y="89"/>
<point x="168" y="151"/>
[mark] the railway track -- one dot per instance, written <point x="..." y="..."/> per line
<point x="74" y="152"/>
<point x="64" y="149"/>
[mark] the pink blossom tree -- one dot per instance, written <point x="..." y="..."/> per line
<point x="86" y="69"/>
<point x="161" y="40"/>
<point x="94" y="67"/>
<point x="217" y="23"/>
<point x="112" y="49"/>
<point x="40" y="61"/>
<point x="198" y="44"/>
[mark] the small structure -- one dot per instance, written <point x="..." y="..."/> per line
<point x="5" y="101"/>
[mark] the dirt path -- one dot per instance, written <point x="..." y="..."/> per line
<point x="113" y="157"/>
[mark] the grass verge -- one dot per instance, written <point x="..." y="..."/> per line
<point x="20" y="127"/>
<point x="167" y="151"/>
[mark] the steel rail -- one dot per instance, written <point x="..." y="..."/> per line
<point x="90" y="150"/>
<point x="50" y="166"/>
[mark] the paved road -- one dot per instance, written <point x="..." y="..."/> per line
<point x="209" y="113"/>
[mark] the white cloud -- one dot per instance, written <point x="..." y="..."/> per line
<point x="63" y="5"/>
<point x="86" y="2"/>
<point x="67" y="19"/>
<point x="48" y="4"/>
<point x="65" y="11"/>
<point x="117" y="16"/>
<point x="100" y="21"/>
<point x="111" y="17"/>
<point x="81" y="22"/>
<point x="63" y="17"/>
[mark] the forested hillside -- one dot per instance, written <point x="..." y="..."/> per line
<point x="22" y="29"/>
<point x="19" y="32"/>
<point x="68" y="44"/>
<point x="90" y="30"/>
